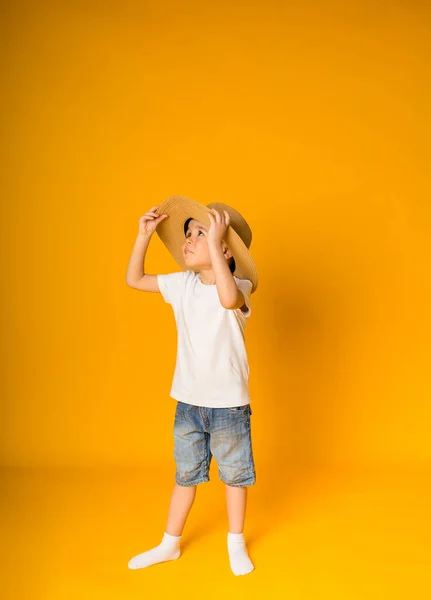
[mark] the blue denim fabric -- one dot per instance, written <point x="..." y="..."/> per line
<point x="201" y="432"/>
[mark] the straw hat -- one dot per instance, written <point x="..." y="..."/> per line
<point x="238" y="235"/>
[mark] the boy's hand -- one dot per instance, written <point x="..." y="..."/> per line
<point x="149" y="222"/>
<point x="218" y="226"/>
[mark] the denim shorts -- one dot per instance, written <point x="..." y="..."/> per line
<point x="201" y="432"/>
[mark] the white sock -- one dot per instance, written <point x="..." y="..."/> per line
<point x="168" y="549"/>
<point x="239" y="559"/>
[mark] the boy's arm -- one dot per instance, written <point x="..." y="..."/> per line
<point x="230" y="296"/>
<point x="240" y="303"/>
<point x="136" y="277"/>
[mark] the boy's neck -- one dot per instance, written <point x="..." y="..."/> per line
<point x="207" y="277"/>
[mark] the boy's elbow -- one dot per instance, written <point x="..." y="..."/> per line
<point x="238" y="302"/>
<point x="131" y="283"/>
<point x="230" y="306"/>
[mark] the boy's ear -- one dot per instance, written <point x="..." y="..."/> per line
<point x="226" y="251"/>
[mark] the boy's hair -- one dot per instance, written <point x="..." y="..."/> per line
<point x="231" y="261"/>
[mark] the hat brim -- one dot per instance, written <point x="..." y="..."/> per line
<point x="171" y="232"/>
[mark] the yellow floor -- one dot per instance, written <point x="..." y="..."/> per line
<point x="69" y="533"/>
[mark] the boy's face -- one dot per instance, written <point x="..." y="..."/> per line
<point x="195" y="248"/>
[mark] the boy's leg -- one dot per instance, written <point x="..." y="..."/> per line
<point x="182" y="499"/>
<point x="236" y="500"/>
<point x="232" y="448"/>
<point x="192" y="457"/>
<point x="181" y="502"/>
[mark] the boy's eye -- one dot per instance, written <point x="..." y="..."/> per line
<point x="199" y="231"/>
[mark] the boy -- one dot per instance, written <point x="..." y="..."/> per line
<point x="211" y="306"/>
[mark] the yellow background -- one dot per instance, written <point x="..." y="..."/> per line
<point x="312" y="119"/>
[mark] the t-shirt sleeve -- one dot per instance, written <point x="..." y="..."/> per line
<point x="245" y="286"/>
<point x="171" y="286"/>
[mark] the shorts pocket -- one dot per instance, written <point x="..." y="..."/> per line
<point x="240" y="409"/>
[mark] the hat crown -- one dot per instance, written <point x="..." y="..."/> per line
<point x="237" y="221"/>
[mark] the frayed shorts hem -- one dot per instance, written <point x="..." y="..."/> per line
<point x="192" y="483"/>
<point x="239" y="484"/>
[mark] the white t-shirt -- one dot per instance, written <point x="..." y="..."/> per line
<point x="211" y="367"/>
